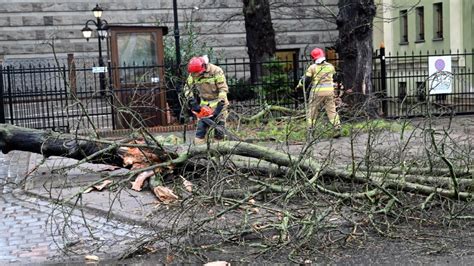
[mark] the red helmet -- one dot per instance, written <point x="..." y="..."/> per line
<point x="317" y="53"/>
<point x="196" y="65"/>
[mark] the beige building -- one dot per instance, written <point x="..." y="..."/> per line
<point x="422" y="25"/>
<point x="30" y="28"/>
<point x="429" y="52"/>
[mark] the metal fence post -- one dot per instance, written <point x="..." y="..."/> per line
<point x="2" y="111"/>
<point x="10" y="96"/>
<point x="383" y="78"/>
<point x="295" y="79"/>
<point x="111" y="90"/>
<point x="67" y="109"/>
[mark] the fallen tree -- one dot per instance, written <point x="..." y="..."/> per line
<point x="145" y="154"/>
<point x="281" y="197"/>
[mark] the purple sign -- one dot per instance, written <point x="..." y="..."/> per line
<point x="440" y="65"/>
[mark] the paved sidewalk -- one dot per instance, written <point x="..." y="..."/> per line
<point x="33" y="230"/>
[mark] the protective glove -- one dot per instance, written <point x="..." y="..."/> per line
<point x="194" y="106"/>
<point x="300" y="83"/>
<point x="218" y="110"/>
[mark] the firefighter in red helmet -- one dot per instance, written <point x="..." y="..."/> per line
<point x="205" y="89"/>
<point x="319" y="79"/>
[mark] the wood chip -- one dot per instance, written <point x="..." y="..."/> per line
<point x="137" y="185"/>
<point x="91" y="258"/>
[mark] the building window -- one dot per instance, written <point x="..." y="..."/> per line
<point x="420" y="24"/>
<point x="438" y="20"/>
<point x="289" y="57"/>
<point x="403" y="27"/>
<point x="288" y="65"/>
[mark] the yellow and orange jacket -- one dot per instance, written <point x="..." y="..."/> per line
<point x="211" y="86"/>
<point x="321" y="75"/>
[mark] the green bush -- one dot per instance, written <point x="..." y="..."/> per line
<point x="276" y="82"/>
<point x="240" y="90"/>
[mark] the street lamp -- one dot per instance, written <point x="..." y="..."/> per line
<point x="176" y="37"/>
<point x="102" y="32"/>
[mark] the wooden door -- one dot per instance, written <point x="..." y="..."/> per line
<point x="137" y="73"/>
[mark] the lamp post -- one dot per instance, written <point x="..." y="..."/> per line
<point x="102" y="26"/>
<point x="176" y="36"/>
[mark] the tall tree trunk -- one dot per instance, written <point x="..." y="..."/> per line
<point x="260" y="35"/>
<point x="355" y="22"/>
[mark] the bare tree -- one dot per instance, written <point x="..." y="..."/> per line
<point x="355" y="25"/>
<point x="260" y="34"/>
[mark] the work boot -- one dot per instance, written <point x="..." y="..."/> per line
<point x="199" y="141"/>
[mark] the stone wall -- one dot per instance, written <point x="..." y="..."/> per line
<point x="30" y="28"/>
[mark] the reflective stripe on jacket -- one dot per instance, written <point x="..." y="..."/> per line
<point x="211" y="84"/>
<point x="212" y="104"/>
<point x="321" y="76"/>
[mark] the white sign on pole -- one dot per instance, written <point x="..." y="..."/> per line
<point x="99" y="69"/>
<point x="441" y="77"/>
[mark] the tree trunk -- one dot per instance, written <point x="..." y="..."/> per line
<point x="355" y="22"/>
<point x="260" y="35"/>
<point x="50" y="143"/>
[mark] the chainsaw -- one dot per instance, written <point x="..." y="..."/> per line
<point x="207" y="115"/>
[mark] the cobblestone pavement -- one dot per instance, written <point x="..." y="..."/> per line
<point x="33" y="230"/>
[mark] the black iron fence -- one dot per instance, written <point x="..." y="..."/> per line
<point x="68" y="97"/>
<point x="44" y="97"/>
<point x="275" y="84"/>
<point x="416" y="84"/>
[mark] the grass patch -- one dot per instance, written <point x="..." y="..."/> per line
<point x="294" y="130"/>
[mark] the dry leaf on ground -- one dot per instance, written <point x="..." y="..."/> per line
<point x="169" y="259"/>
<point x="165" y="194"/>
<point x="187" y="184"/>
